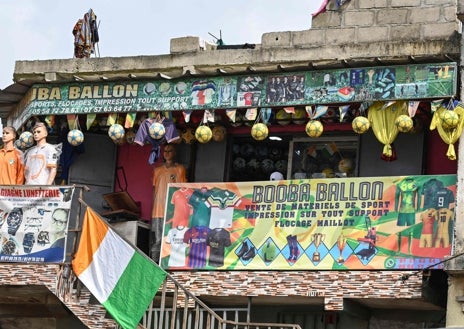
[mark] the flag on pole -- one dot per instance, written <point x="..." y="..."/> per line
<point x="120" y="277"/>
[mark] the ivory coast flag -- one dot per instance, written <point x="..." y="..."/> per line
<point x="120" y="277"/>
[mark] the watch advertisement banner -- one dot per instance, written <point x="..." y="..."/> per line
<point x="34" y="223"/>
<point x="398" y="222"/>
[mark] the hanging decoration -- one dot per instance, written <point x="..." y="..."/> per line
<point x="360" y="124"/>
<point x="382" y="117"/>
<point x="404" y="123"/>
<point x="25" y="140"/>
<point x="203" y="133"/>
<point x="75" y="136"/>
<point x="314" y="128"/>
<point x="219" y="133"/>
<point x="156" y="130"/>
<point x="259" y="130"/>
<point x="448" y="135"/>
<point x="90" y="120"/>
<point x="116" y="133"/>
<point x="130" y="120"/>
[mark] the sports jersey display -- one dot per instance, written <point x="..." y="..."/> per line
<point x="222" y="203"/>
<point x="175" y="238"/>
<point x="429" y="191"/>
<point x="182" y="208"/>
<point x="197" y="238"/>
<point x="406" y="198"/>
<point x="201" y="208"/>
<point x="39" y="160"/>
<point x="218" y="239"/>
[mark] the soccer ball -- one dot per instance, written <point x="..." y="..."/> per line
<point x="283" y="118"/>
<point x="26" y="140"/>
<point x="203" y="134"/>
<point x="247" y="151"/>
<point x="156" y="130"/>
<point x="252" y="165"/>
<point x="281" y="165"/>
<point x="299" y="117"/>
<point x="239" y="164"/>
<point x="314" y="128"/>
<point x="345" y="165"/>
<point x="404" y="123"/>
<point x="259" y="131"/>
<point x="449" y="119"/>
<point x="275" y="153"/>
<point x="130" y="137"/>
<point x="116" y="132"/>
<point x="75" y="137"/>
<point x="188" y="137"/>
<point x="219" y="133"/>
<point x="328" y="172"/>
<point x="267" y="165"/>
<point x="360" y="125"/>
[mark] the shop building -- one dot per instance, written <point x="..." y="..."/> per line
<point x="354" y="57"/>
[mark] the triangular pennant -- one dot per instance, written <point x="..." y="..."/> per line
<point x="266" y="114"/>
<point x="343" y="110"/>
<point x="186" y="114"/>
<point x="50" y="120"/>
<point x="412" y="108"/>
<point x="321" y="110"/>
<point x="310" y="111"/>
<point x="231" y="114"/>
<point x="208" y="116"/>
<point x="251" y="113"/>
<point x="90" y="120"/>
<point x="290" y="110"/>
<point x="130" y="120"/>
<point x="434" y="105"/>
<point x="388" y="104"/>
<point x="112" y="119"/>
<point x="71" y="121"/>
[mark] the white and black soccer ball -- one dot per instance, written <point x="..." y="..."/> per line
<point x="156" y="130"/>
<point x="75" y="137"/>
<point x="25" y="140"/>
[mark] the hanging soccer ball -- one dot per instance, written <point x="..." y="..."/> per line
<point x="239" y="164"/>
<point x="267" y="165"/>
<point x="75" y="137"/>
<point x="156" y="130"/>
<point x="116" y="132"/>
<point x="219" y="133"/>
<point x="188" y="137"/>
<point x="360" y="125"/>
<point x="449" y="119"/>
<point x="283" y="118"/>
<point x="404" y="123"/>
<point x="259" y="131"/>
<point x="314" y="128"/>
<point x="203" y="134"/>
<point x="25" y="140"/>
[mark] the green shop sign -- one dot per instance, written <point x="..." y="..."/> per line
<point x="243" y="91"/>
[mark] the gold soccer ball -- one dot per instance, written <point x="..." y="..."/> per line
<point x="345" y="165"/>
<point x="203" y="134"/>
<point x="283" y="118"/>
<point x="314" y="128"/>
<point x="404" y="123"/>
<point x="75" y="137"/>
<point x="219" y="133"/>
<point x="449" y="119"/>
<point x="116" y="132"/>
<point x="360" y="125"/>
<point x="259" y="131"/>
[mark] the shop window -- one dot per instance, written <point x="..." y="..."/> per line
<point x="295" y="157"/>
<point x="323" y="157"/>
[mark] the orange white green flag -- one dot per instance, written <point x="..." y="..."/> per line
<point x="120" y="277"/>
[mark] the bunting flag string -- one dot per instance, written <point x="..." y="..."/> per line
<point x="130" y="120"/>
<point x="90" y="120"/>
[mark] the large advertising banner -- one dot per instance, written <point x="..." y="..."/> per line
<point x="34" y="223"/>
<point x="414" y="81"/>
<point x="399" y="222"/>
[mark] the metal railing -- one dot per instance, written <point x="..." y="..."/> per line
<point x="176" y="308"/>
